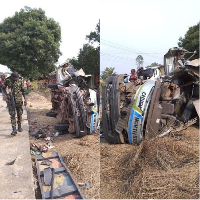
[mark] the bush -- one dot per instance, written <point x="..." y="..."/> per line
<point x="34" y="85"/>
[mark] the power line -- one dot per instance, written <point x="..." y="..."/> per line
<point x="113" y="53"/>
<point x="116" y="60"/>
<point x="128" y="48"/>
<point x="148" y="55"/>
<point x="118" y="46"/>
<point x="117" y="57"/>
<point x="114" y="56"/>
<point x="120" y="59"/>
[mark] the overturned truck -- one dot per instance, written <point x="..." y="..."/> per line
<point x="74" y="99"/>
<point x="162" y="105"/>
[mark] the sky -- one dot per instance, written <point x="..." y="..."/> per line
<point x="77" y="19"/>
<point x="128" y="27"/>
<point x="142" y="27"/>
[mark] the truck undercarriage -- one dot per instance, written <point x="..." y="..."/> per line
<point x="74" y="101"/>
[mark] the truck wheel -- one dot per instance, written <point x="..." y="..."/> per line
<point x="111" y="108"/>
<point x="77" y="106"/>
<point x="109" y="80"/>
<point x="61" y="127"/>
<point x="51" y="114"/>
<point x="53" y="86"/>
<point x="108" y="129"/>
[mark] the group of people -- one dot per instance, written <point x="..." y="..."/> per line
<point x="139" y="75"/>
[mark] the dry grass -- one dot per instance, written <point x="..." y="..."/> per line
<point x="81" y="155"/>
<point x="162" y="168"/>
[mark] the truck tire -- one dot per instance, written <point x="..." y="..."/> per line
<point x="109" y="80"/>
<point x="109" y="111"/>
<point x="53" y="86"/>
<point x="51" y="114"/>
<point x="61" y="127"/>
<point x="77" y="105"/>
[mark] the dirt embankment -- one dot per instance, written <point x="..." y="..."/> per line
<point x="162" y="168"/>
<point x="81" y="155"/>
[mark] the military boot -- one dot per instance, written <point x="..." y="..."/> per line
<point x="14" y="132"/>
<point x="20" y="128"/>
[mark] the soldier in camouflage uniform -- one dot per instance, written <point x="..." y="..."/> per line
<point x="16" y="88"/>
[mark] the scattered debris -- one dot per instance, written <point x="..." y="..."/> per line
<point x="40" y="134"/>
<point x="46" y="162"/>
<point x="43" y="132"/>
<point x="87" y="184"/>
<point x="17" y="191"/>
<point x="34" y="149"/>
<point x="48" y="138"/>
<point x="84" y="184"/>
<point x="55" y="180"/>
<point x="32" y="152"/>
<point x="49" y="145"/>
<point x="16" y="173"/>
<point x="56" y="134"/>
<point x="81" y="184"/>
<point x="12" y="162"/>
<point x="43" y="148"/>
<point x="102" y="135"/>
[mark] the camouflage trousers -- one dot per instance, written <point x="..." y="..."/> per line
<point x="18" y="110"/>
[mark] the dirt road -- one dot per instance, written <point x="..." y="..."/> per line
<point x="81" y="155"/>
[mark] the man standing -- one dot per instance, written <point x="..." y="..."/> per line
<point x="14" y="96"/>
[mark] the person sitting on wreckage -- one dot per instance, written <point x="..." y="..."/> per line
<point x="16" y="90"/>
<point x="133" y="77"/>
<point x="142" y="75"/>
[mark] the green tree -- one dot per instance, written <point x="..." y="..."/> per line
<point x="139" y="61"/>
<point x="190" y="41"/>
<point x="30" y="42"/>
<point x="107" y="73"/>
<point x="89" y="56"/>
<point x="94" y="36"/>
<point x="153" y="64"/>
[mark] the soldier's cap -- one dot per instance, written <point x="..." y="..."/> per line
<point x="15" y="76"/>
